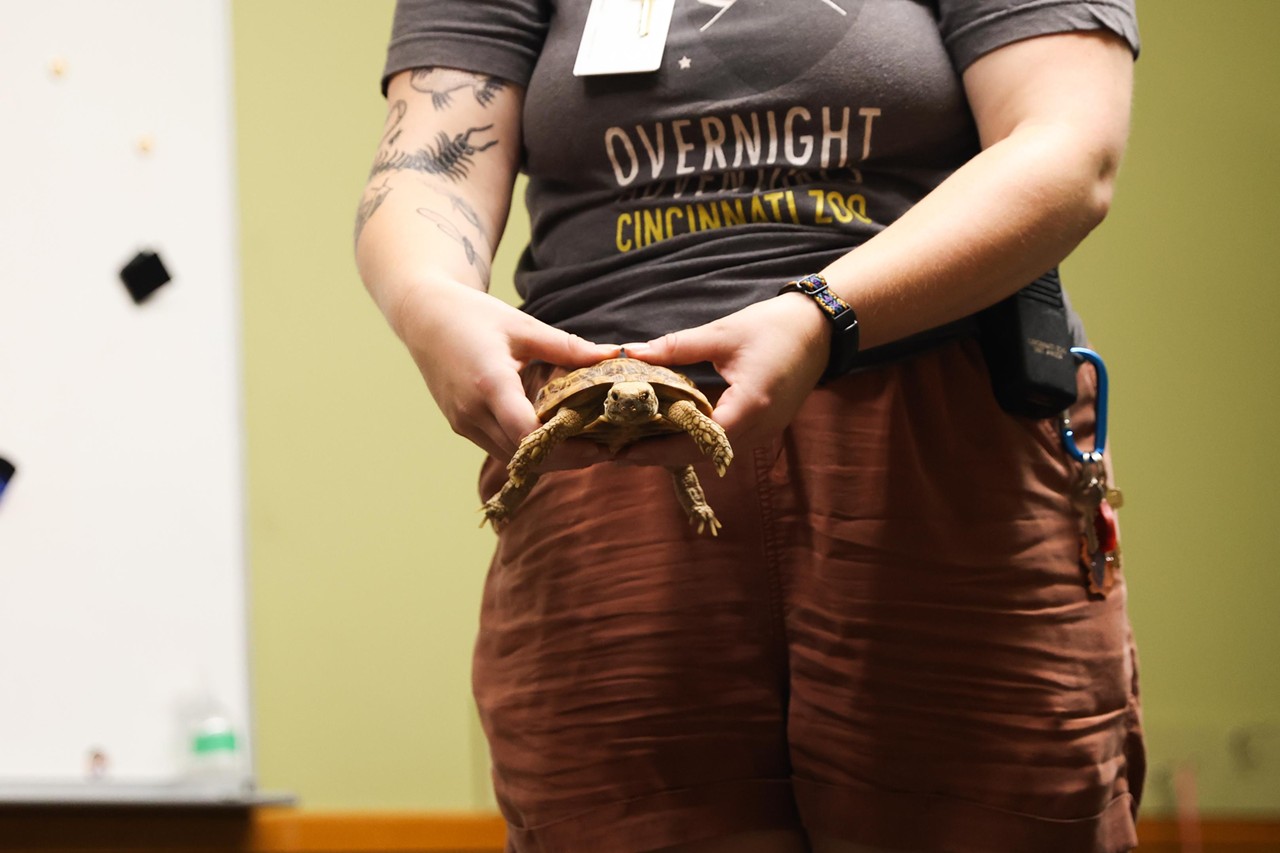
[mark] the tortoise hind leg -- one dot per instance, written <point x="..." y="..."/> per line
<point x="499" y="508"/>
<point x="693" y="500"/>
<point x="708" y="434"/>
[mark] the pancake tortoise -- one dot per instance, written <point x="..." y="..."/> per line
<point x="616" y="402"/>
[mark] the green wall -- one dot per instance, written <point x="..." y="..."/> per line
<point x="1179" y="288"/>
<point x="366" y="559"/>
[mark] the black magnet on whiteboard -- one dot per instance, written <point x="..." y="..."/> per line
<point x="144" y="275"/>
<point x="7" y="471"/>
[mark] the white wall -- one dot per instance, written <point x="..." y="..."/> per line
<point x="122" y="535"/>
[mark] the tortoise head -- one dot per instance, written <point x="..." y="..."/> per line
<point x="630" y="403"/>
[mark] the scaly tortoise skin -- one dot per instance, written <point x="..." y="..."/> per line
<point x="616" y="402"/>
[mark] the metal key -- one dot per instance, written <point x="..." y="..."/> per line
<point x="1091" y="490"/>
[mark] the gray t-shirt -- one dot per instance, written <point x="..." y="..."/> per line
<point x="775" y="137"/>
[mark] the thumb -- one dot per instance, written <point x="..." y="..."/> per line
<point x="686" y="346"/>
<point x="556" y="346"/>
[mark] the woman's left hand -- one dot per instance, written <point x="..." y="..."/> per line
<point x="771" y="353"/>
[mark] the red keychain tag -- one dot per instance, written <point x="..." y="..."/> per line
<point x="1101" y="566"/>
<point x="1104" y="524"/>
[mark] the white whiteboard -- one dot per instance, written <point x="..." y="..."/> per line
<point x="122" y="545"/>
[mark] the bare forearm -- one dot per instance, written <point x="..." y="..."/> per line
<point x="440" y="186"/>
<point x="414" y="234"/>
<point x="1008" y="215"/>
<point x="1053" y="114"/>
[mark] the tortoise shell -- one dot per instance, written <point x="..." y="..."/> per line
<point x="589" y="386"/>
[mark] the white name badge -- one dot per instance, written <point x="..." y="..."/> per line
<point x="624" y="37"/>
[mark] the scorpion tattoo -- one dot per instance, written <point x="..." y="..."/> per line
<point x="451" y="158"/>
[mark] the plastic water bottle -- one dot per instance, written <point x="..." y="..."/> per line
<point x="214" y="756"/>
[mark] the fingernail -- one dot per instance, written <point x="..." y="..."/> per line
<point x="636" y="348"/>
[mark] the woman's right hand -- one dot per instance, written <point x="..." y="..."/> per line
<point x="470" y="348"/>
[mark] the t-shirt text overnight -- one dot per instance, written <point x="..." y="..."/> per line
<point x="762" y="158"/>
<point x="753" y="139"/>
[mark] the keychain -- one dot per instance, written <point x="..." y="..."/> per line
<point x="1092" y="497"/>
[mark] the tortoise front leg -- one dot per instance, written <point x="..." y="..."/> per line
<point x="694" y="500"/>
<point x="708" y="434"/>
<point x="499" y="508"/>
<point x="537" y="445"/>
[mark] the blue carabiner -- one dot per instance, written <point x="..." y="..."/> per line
<point x="1100" y="422"/>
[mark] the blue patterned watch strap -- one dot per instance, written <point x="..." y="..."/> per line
<point x="816" y="287"/>
<point x="845" y="334"/>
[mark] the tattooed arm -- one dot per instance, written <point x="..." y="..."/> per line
<point x="425" y="233"/>
<point x="440" y="186"/>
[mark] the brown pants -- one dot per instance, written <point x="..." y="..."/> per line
<point x="891" y="641"/>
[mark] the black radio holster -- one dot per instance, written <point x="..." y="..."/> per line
<point x="1026" y="341"/>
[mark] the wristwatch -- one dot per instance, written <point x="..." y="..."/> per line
<point x="844" y="323"/>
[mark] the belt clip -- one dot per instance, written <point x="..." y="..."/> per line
<point x="1100" y="423"/>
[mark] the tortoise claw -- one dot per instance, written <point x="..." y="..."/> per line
<point x="494" y="513"/>
<point x="706" y="520"/>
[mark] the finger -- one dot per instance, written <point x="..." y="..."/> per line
<point x="746" y="418"/>
<point x="469" y="413"/>
<point x="734" y="409"/>
<point x="489" y="438"/>
<point x="513" y="414"/>
<point x="687" y="346"/>
<point x="539" y="341"/>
